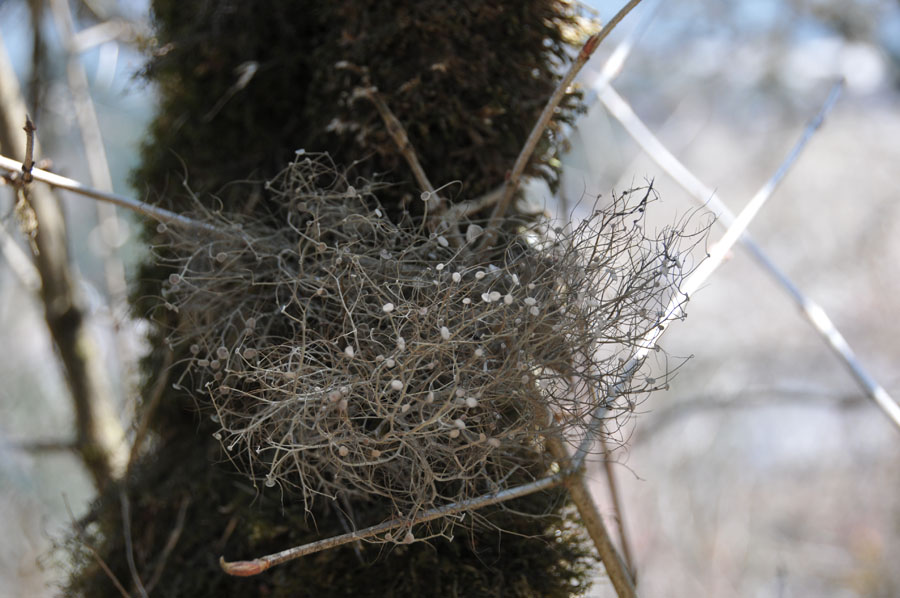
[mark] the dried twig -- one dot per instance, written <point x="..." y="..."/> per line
<point x="81" y="538"/>
<point x="129" y="549"/>
<point x="42" y="446"/>
<point x="28" y="164"/>
<point x="156" y="394"/>
<point x="143" y="208"/>
<point x="170" y="544"/>
<point x="256" y="566"/>
<point x="398" y="133"/>
<point x="580" y="494"/>
<point x="18" y="262"/>
<point x="617" y="507"/>
<point x="109" y="227"/>
<point x="813" y="312"/>
<point x="512" y="181"/>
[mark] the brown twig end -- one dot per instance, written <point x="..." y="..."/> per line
<point x="243" y="568"/>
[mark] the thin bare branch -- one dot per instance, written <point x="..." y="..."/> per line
<point x="156" y="394"/>
<point x="616" y="569"/>
<point x="43" y="446"/>
<point x="100" y="562"/>
<point x="515" y="175"/>
<point x="143" y="208"/>
<point x="28" y="164"/>
<point x="398" y="133"/>
<point x="129" y="549"/>
<point x="813" y="313"/>
<point x="617" y="507"/>
<point x="258" y="565"/>
<point x="109" y="224"/>
<point x="170" y="543"/>
<point x="99" y="433"/>
<point x="18" y="262"/>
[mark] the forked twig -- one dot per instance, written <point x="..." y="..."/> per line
<point x="813" y="313"/>
<point x="515" y="175"/>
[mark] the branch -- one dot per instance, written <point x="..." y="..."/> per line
<point x="512" y="181"/>
<point x="156" y="395"/>
<point x="129" y="549"/>
<point x="615" y="566"/>
<point x="98" y="164"/>
<point x="99" y="435"/>
<point x="813" y="313"/>
<point x="256" y="566"/>
<point x="43" y="446"/>
<point x="398" y="133"/>
<point x="143" y="208"/>
<point x="627" y="557"/>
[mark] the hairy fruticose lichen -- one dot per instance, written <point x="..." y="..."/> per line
<point x="347" y="355"/>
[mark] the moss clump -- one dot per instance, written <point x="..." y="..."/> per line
<point x="467" y="79"/>
<point x="224" y="514"/>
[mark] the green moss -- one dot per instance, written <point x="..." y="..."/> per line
<point x="467" y="79"/>
<point x="226" y="516"/>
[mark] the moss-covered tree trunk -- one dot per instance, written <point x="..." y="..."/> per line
<point x="242" y="86"/>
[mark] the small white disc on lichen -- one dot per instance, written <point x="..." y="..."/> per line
<point x="348" y="351"/>
<point x="396" y="384"/>
<point x="387" y="308"/>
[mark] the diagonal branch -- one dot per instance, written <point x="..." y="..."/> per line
<point x="398" y="134"/>
<point x="258" y="565"/>
<point x="616" y="569"/>
<point x="515" y="175"/>
<point x="813" y="313"/>
<point x="143" y="208"/>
